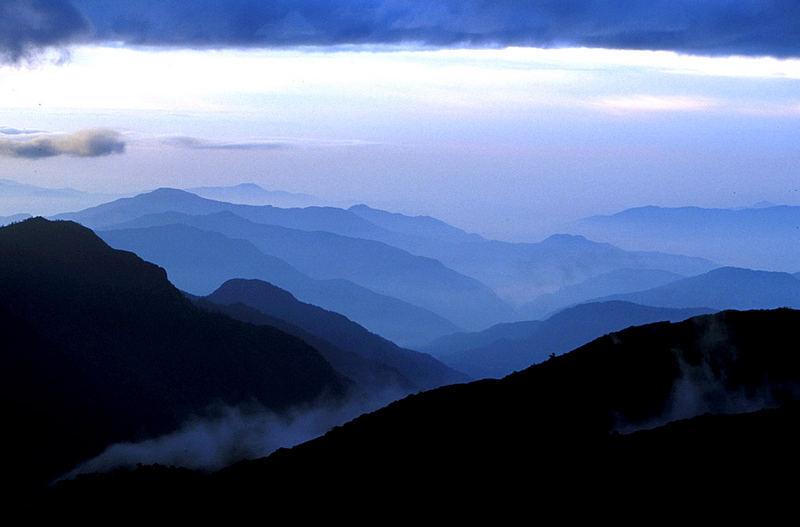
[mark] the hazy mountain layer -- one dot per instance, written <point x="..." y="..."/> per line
<point x="17" y="198"/>
<point x="758" y="238"/>
<point x="416" y="227"/>
<point x="614" y="282"/>
<point x="517" y="272"/>
<point x="379" y="267"/>
<point x="252" y="194"/>
<point x="723" y="288"/>
<point x="5" y="220"/>
<point x="199" y="261"/>
<point x="161" y="200"/>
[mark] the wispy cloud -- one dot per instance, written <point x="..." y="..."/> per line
<point x="653" y="103"/>
<point x="6" y="130"/>
<point x="84" y="143"/>
<point x="204" y="144"/>
<point x="279" y="143"/>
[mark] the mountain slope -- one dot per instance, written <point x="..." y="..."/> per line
<point x="564" y="331"/>
<point x="550" y="434"/>
<point x="415" y="226"/>
<point x="618" y="281"/>
<point x="423" y="370"/>
<point x="199" y="261"/>
<point x="99" y="347"/>
<point x="372" y="377"/>
<point x="556" y="415"/>
<point x="723" y="288"/>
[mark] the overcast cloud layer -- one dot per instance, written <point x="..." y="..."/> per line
<point x="715" y="27"/>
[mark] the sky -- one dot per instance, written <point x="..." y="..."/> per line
<point x="507" y="118"/>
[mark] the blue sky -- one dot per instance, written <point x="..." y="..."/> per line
<point x="505" y="118"/>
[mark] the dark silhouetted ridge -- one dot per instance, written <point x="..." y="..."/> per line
<point x="99" y="348"/>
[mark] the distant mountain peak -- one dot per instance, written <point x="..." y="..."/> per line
<point x="168" y="191"/>
<point x="249" y="186"/>
<point x="566" y="239"/>
<point x="39" y="227"/>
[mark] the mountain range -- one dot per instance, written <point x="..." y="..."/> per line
<point x="384" y="269"/>
<point x="516" y="272"/>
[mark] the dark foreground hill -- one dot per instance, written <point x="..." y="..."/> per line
<point x="564" y="436"/>
<point x="98" y="347"/>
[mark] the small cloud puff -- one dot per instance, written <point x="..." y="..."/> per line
<point x="84" y="143"/>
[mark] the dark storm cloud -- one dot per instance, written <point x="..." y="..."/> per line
<point x="760" y="27"/>
<point x="29" y="26"/>
<point x="85" y="143"/>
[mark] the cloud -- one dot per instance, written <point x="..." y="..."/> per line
<point x="16" y="131"/>
<point x="652" y="103"/>
<point x="227" y="435"/>
<point x="85" y="143"/>
<point x="713" y="27"/>
<point x="28" y="27"/>
<point x="202" y="144"/>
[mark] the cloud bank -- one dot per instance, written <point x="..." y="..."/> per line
<point x="84" y="143"/>
<point x="716" y="27"/>
<point x="28" y="27"/>
<point x="708" y="27"/>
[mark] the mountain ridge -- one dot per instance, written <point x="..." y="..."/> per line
<point x="100" y="347"/>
